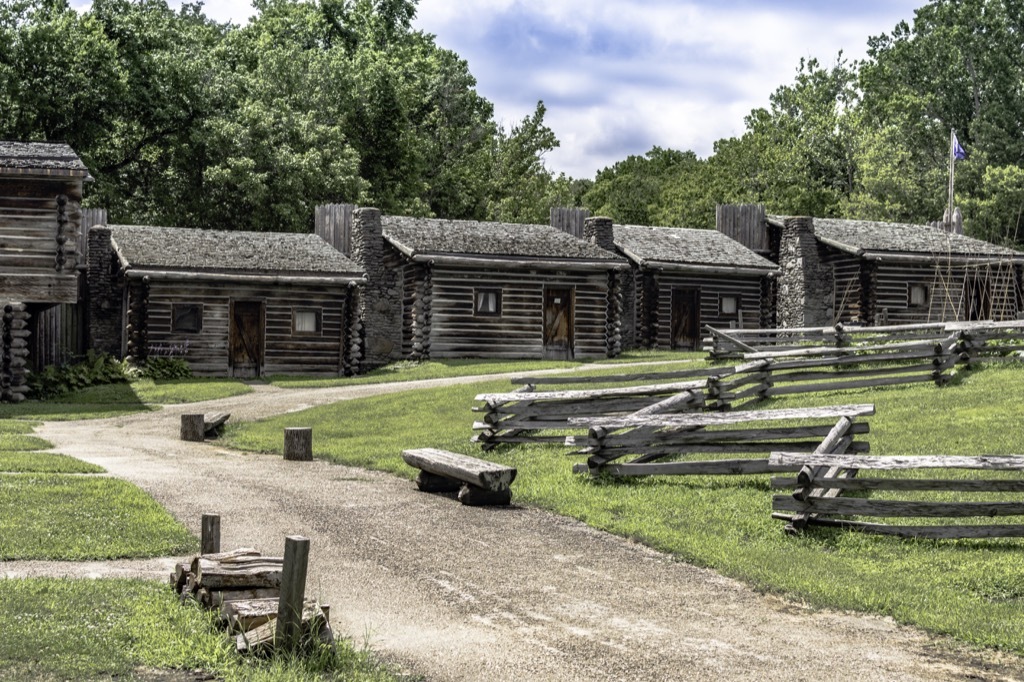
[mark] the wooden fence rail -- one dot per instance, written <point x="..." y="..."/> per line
<point x="821" y="480"/>
<point x="655" y="442"/>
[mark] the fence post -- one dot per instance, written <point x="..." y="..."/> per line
<point x="293" y="591"/>
<point x="210" y="543"/>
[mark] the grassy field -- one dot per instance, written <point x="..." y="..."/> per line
<point x="112" y="400"/>
<point x="969" y="589"/>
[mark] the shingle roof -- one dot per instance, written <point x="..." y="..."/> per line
<point x="864" y="235"/>
<point x="177" y="248"/>
<point x="52" y="158"/>
<point x="465" y="237"/>
<point x="686" y="246"/>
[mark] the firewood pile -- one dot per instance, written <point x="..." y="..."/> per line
<point x="245" y="588"/>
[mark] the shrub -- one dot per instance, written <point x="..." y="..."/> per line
<point x="164" y="368"/>
<point x="95" y="369"/>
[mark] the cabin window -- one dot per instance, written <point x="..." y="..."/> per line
<point x="186" y="317"/>
<point x="306" y="321"/>
<point x="917" y="295"/>
<point x="487" y="302"/>
<point x="729" y="305"/>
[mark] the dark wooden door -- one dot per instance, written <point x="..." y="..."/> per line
<point x="558" y="323"/>
<point x="685" y="328"/>
<point x="979" y="298"/>
<point x="246" y="338"/>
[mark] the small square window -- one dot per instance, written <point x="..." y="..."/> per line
<point x="186" y="317"/>
<point x="730" y="305"/>
<point x="918" y="294"/>
<point x="306" y="321"/>
<point x="487" y="302"/>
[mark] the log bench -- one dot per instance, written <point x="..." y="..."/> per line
<point x="214" y="423"/>
<point x="479" y="482"/>
<point x="198" y="427"/>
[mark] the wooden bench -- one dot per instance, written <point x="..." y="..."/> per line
<point x="479" y="482"/>
<point x="213" y="423"/>
<point x="197" y="427"/>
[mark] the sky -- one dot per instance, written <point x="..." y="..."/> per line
<point x="619" y="77"/>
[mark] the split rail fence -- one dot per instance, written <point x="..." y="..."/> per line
<point x="817" y="489"/>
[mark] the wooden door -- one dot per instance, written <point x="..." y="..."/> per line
<point x="246" y="338"/>
<point x="979" y="298"/>
<point x="558" y="323"/>
<point x="685" y="329"/>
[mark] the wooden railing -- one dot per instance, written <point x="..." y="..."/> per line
<point x="821" y="481"/>
<point x="651" y="440"/>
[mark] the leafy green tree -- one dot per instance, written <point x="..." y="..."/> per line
<point x="521" y="186"/>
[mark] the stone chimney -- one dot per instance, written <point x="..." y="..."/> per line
<point x="381" y="304"/>
<point x="599" y="231"/>
<point x="104" y="287"/>
<point x="805" y="297"/>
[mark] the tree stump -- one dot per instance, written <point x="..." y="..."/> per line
<point x="192" y="427"/>
<point x="298" y="444"/>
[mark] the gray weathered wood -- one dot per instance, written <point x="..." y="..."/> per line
<point x="719" y="418"/>
<point x="944" y="532"/>
<point x="213" y="422"/>
<point x="240" y="578"/>
<point x="936" y="484"/>
<point x="476" y="472"/>
<point x="298" y="443"/>
<point x="192" y="428"/>
<point x="991" y="462"/>
<point x="293" y="592"/>
<point x="717" y="467"/>
<point x="592" y="393"/>
<point x="895" y="508"/>
<point x="210" y="536"/>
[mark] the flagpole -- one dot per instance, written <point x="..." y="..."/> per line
<point x="952" y="170"/>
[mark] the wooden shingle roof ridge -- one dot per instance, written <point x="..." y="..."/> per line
<point x="41" y="158"/>
<point x="867" y="237"/>
<point x="420" y="238"/>
<point x="228" y="251"/>
<point x="686" y="246"/>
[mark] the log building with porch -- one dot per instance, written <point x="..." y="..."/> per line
<point x="873" y="273"/>
<point x="241" y="304"/>
<point x="40" y="222"/>
<point x="682" y="279"/>
<point x="454" y="289"/>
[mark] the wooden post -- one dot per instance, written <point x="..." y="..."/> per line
<point x="210" y="543"/>
<point x="293" y="591"/>
<point x="298" y="443"/>
<point x="193" y="428"/>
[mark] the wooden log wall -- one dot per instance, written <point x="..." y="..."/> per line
<point x="284" y="351"/>
<point x="848" y="287"/>
<point x="39" y="236"/>
<point x="416" y="311"/>
<point x="137" y="317"/>
<point x="712" y="288"/>
<point x="613" y="325"/>
<point x="745" y="223"/>
<point x="518" y="332"/>
<point x="569" y="220"/>
<point x="333" y="224"/>
<point x="646" y="297"/>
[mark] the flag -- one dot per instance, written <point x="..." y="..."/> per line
<point x="958" y="152"/>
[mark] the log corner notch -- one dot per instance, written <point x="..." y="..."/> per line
<point x="479" y="482"/>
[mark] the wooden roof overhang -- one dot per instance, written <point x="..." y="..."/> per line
<point x="47" y="173"/>
<point x="510" y="262"/>
<point x="699" y="268"/>
<point x="320" y="279"/>
<point x="977" y="259"/>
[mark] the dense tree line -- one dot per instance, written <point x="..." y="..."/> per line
<point x="185" y="121"/>
<point x="866" y="140"/>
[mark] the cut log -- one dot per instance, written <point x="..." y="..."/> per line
<point x="298" y="444"/>
<point x="192" y="427"/>
<point x="246" y="614"/>
<point x="432" y="483"/>
<point x="200" y="566"/>
<point x="261" y="639"/>
<point x="214" y="423"/>
<point x="221" y="598"/>
<point x="717" y="418"/>
<point x="986" y="462"/>
<point x="253" y="577"/>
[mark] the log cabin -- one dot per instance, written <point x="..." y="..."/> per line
<point x="874" y="273"/>
<point x="40" y="219"/>
<point x="682" y="279"/>
<point x="243" y="304"/>
<point x="465" y="289"/>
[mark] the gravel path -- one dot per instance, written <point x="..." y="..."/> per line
<point x="461" y="593"/>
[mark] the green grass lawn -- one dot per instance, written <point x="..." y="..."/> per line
<point x="113" y="400"/>
<point x="109" y="629"/>
<point x="970" y="589"/>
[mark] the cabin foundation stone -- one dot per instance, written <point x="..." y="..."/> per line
<point x="805" y="284"/>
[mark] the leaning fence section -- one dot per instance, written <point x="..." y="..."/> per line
<point x="646" y="444"/>
<point x="895" y="486"/>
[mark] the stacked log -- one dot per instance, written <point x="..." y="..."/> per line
<point x="14" y="335"/>
<point x="137" y="328"/>
<point x="613" y="317"/>
<point x="353" y="350"/>
<point x="244" y="587"/>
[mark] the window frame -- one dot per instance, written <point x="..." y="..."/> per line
<point x="481" y="291"/>
<point x="910" y="295"/>
<point x="318" y="321"/>
<point x="182" y="307"/>
<point x="721" y="305"/>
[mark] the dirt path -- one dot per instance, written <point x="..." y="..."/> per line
<point x="460" y="593"/>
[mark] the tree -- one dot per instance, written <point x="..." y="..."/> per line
<point x="521" y="187"/>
